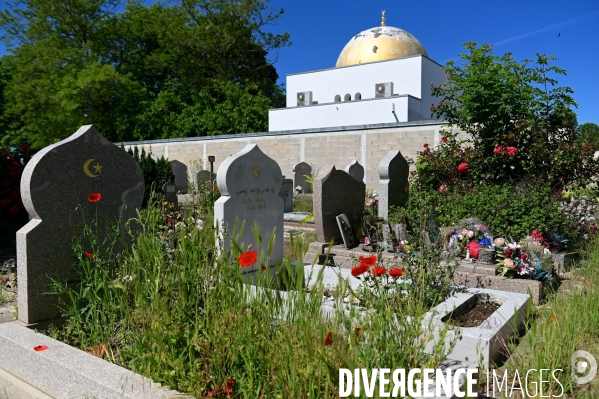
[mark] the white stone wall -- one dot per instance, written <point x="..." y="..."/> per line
<point x="318" y="148"/>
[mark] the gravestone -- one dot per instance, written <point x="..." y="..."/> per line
<point x="180" y="171"/>
<point x="170" y="194"/>
<point x="399" y="230"/>
<point x="250" y="183"/>
<point x="203" y="180"/>
<point x="300" y="171"/>
<point x="81" y="179"/>
<point x="287" y="194"/>
<point x="335" y="192"/>
<point x="393" y="183"/>
<point x="346" y="231"/>
<point x="355" y="170"/>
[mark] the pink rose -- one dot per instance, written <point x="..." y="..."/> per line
<point x="463" y="167"/>
<point x="443" y="188"/>
<point x="511" y="151"/>
<point x="498" y="150"/>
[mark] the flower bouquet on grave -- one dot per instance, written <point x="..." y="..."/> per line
<point x="524" y="260"/>
<point x="467" y="238"/>
<point x="372" y="201"/>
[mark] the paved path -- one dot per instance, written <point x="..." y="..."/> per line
<point x="12" y="387"/>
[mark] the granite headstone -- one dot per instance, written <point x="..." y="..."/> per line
<point x="81" y="179"/>
<point x="250" y="183"/>
<point x="170" y="194"/>
<point x="287" y="194"/>
<point x="300" y="171"/>
<point x="393" y="182"/>
<point x="355" y="170"/>
<point x="345" y="228"/>
<point x="335" y="192"/>
<point x="180" y="171"/>
<point x="203" y="180"/>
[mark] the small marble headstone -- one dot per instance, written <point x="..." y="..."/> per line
<point x="300" y="171"/>
<point x="393" y="183"/>
<point x="400" y="232"/>
<point x="346" y="231"/>
<point x="170" y="194"/>
<point x="388" y="236"/>
<point x="287" y="194"/>
<point x="355" y="170"/>
<point x="83" y="179"/>
<point x="335" y="192"/>
<point x="203" y="179"/>
<point x="180" y="171"/>
<point x="486" y="256"/>
<point x="250" y="183"/>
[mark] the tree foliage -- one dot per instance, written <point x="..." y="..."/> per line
<point x="520" y="124"/>
<point x="172" y="69"/>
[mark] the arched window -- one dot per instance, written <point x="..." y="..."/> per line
<point x="347" y="97"/>
<point x="358" y="96"/>
<point x="337" y="98"/>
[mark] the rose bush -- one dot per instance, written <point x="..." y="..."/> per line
<point x="12" y="163"/>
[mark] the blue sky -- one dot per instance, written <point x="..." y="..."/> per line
<point x="320" y="29"/>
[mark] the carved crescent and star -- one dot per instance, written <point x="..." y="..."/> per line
<point x="97" y="168"/>
<point x="256" y="170"/>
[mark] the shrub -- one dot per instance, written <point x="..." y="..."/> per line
<point x="509" y="210"/>
<point x="156" y="172"/>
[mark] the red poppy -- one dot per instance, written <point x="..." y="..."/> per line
<point x="370" y="261"/>
<point x="511" y="151"/>
<point x="498" y="150"/>
<point x="378" y="271"/>
<point x="553" y="318"/>
<point x="229" y="386"/>
<point x="14" y="209"/>
<point x="463" y="167"/>
<point x="89" y="254"/>
<point x="396" y="272"/>
<point x="360" y="269"/>
<point x="263" y="267"/>
<point x="212" y="393"/>
<point x="327" y="340"/>
<point x="40" y="348"/>
<point x="94" y="197"/>
<point x="444" y="139"/>
<point x="357" y="330"/>
<point x="248" y="258"/>
<point x="425" y="145"/>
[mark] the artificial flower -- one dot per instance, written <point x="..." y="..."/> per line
<point x="507" y="252"/>
<point x="473" y="249"/>
<point x="378" y="271"/>
<point x="247" y="259"/>
<point x="508" y="263"/>
<point x="463" y="167"/>
<point x="396" y="272"/>
<point x="40" y="348"/>
<point x="537" y="236"/>
<point x="366" y="241"/>
<point x="524" y="256"/>
<point x="499" y="241"/>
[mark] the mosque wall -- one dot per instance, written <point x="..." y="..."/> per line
<point x="367" y="145"/>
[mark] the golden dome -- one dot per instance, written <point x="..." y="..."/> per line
<point x="379" y="44"/>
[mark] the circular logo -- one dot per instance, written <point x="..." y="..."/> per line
<point x="584" y="367"/>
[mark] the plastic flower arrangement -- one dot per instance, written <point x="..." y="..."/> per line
<point x="372" y="198"/>
<point x="468" y="237"/>
<point x="524" y="259"/>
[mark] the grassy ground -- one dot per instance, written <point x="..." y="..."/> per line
<point x="170" y="307"/>
<point x="567" y="322"/>
<point x="303" y="203"/>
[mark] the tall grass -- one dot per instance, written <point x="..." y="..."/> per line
<point x="174" y="308"/>
<point x="567" y="322"/>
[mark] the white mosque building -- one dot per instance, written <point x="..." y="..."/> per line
<point x="383" y="75"/>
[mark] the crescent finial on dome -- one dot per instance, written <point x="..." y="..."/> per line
<point x="383" y="23"/>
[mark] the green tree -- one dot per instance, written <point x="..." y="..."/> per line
<point x="505" y="104"/>
<point x="78" y="62"/>
<point x="589" y="132"/>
